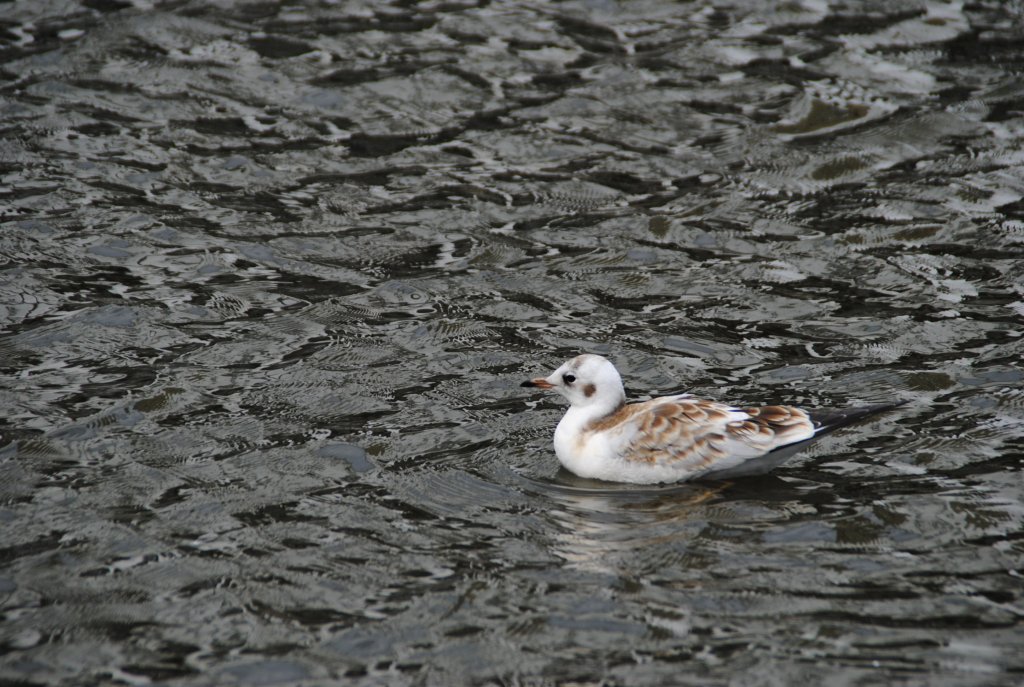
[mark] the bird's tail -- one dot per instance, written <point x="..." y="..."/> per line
<point x="826" y="421"/>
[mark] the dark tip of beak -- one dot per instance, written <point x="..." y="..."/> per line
<point x="528" y="382"/>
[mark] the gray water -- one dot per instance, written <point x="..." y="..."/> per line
<point x="272" y="275"/>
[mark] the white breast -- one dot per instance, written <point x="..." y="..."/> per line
<point x="600" y="455"/>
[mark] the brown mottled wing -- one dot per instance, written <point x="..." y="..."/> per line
<point x="702" y="436"/>
<point x="775" y="425"/>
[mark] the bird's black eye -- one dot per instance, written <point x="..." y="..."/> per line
<point x="568" y="379"/>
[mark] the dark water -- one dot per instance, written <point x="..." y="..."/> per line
<point x="272" y="274"/>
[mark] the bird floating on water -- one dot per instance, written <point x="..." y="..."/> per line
<point x="674" y="438"/>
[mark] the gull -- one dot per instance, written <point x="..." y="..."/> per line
<point x="674" y="438"/>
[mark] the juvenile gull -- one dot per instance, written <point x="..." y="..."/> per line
<point x="674" y="438"/>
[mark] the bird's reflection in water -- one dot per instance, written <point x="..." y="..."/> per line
<point x="621" y="529"/>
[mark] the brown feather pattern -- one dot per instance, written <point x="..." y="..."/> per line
<point x="698" y="431"/>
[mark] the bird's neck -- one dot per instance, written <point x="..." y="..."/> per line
<point x="578" y="417"/>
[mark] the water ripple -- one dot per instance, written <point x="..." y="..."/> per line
<point x="270" y="277"/>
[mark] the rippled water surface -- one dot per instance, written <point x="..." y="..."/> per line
<point x="272" y="273"/>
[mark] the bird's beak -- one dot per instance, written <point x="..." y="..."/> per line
<point x="539" y="383"/>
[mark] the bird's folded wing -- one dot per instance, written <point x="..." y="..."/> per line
<point x="701" y="436"/>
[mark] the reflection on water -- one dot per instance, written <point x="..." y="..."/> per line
<point x="271" y="275"/>
<point x="614" y="530"/>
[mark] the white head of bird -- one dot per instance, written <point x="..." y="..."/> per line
<point x="589" y="382"/>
